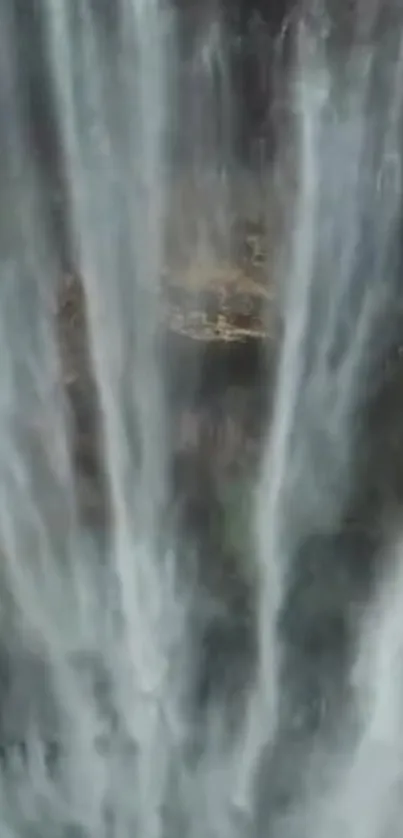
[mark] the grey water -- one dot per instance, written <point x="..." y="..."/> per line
<point x="100" y="652"/>
<point x="204" y="140"/>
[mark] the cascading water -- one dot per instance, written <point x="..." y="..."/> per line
<point x="129" y="622"/>
<point x="203" y="141"/>
<point x="98" y="730"/>
<point x="341" y="280"/>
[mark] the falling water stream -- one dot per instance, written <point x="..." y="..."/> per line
<point x="99" y="653"/>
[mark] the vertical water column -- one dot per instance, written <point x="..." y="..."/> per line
<point x="38" y="515"/>
<point x="206" y="136"/>
<point x="111" y="68"/>
<point x="339" y="282"/>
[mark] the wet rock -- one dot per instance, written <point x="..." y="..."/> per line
<point x="379" y="494"/>
<point x="217" y="343"/>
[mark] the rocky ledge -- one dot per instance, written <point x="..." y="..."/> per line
<point x="218" y="329"/>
